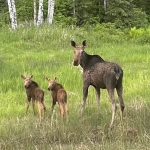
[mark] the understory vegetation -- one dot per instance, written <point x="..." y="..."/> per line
<point x="46" y="51"/>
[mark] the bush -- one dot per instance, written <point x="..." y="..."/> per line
<point x="139" y="18"/>
<point x="140" y="35"/>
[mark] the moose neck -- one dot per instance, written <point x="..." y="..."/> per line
<point x="87" y="61"/>
<point x="84" y="60"/>
<point x="57" y="87"/>
<point x="32" y="86"/>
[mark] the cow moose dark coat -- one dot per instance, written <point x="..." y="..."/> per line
<point x="101" y="75"/>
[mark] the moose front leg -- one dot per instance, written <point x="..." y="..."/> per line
<point x="27" y="103"/>
<point x="85" y="94"/>
<point x="53" y="105"/>
<point x="97" y="96"/>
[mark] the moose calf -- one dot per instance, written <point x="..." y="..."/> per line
<point x="58" y="95"/>
<point x="34" y="94"/>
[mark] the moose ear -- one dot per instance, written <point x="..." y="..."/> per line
<point x="31" y="76"/>
<point x="84" y="43"/>
<point x="55" y="78"/>
<point x="47" y="78"/>
<point x="22" y="76"/>
<point x="73" y="44"/>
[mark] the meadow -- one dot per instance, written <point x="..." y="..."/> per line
<point x="46" y="51"/>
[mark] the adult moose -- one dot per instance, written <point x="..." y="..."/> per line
<point x="101" y="75"/>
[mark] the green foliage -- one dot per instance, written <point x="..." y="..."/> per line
<point x="123" y="14"/>
<point x="24" y="10"/>
<point x="4" y="17"/>
<point x="141" y="34"/>
<point x="145" y="5"/>
<point x="139" y="18"/>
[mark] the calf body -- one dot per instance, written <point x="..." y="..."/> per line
<point x="101" y="75"/>
<point x="59" y="95"/>
<point x="34" y="94"/>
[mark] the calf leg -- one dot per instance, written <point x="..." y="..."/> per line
<point x="27" y="106"/>
<point x="41" y="110"/>
<point x="85" y="94"/>
<point x="61" y="109"/>
<point x="112" y="99"/>
<point x="44" y="106"/>
<point x="66" y="109"/>
<point x="53" y="105"/>
<point x="33" y="106"/>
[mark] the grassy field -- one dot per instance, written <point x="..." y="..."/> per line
<point x="47" y="52"/>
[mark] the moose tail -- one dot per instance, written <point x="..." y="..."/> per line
<point x="118" y="72"/>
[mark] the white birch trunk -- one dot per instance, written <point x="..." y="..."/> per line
<point x="50" y="15"/>
<point x="105" y="6"/>
<point x="35" y="17"/>
<point x="12" y="13"/>
<point x="74" y="8"/>
<point x="40" y="13"/>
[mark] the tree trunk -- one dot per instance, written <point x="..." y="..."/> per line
<point x="35" y="16"/>
<point x="50" y="15"/>
<point x="40" y="13"/>
<point x="105" y="6"/>
<point x="74" y="8"/>
<point x="12" y="13"/>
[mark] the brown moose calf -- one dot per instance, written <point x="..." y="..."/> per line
<point x="34" y="94"/>
<point x="58" y="95"/>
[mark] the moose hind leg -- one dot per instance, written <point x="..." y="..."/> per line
<point x="44" y="106"/>
<point x="61" y="109"/>
<point x="40" y="110"/>
<point x="119" y="90"/>
<point x="112" y="99"/>
<point x="33" y="106"/>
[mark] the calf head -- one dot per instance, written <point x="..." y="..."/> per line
<point x="78" y="49"/>
<point x="51" y="83"/>
<point x="27" y="80"/>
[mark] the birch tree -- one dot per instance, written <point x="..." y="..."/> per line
<point x="50" y="15"/>
<point x="74" y="8"/>
<point x="35" y="12"/>
<point x="105" y="6"/>
<point x="12" y="13"/>
<point x="40" y="13"/>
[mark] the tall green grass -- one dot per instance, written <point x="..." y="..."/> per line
<point x="46" y="51"/>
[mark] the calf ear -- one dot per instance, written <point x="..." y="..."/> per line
<point x="31" y="76"/>
<point x="47" y="78"/>
<point x="55" y="78"/>
<point x="22" y="76"/>
<point x="84" y="43"/>
<point x="73" y="44"/>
